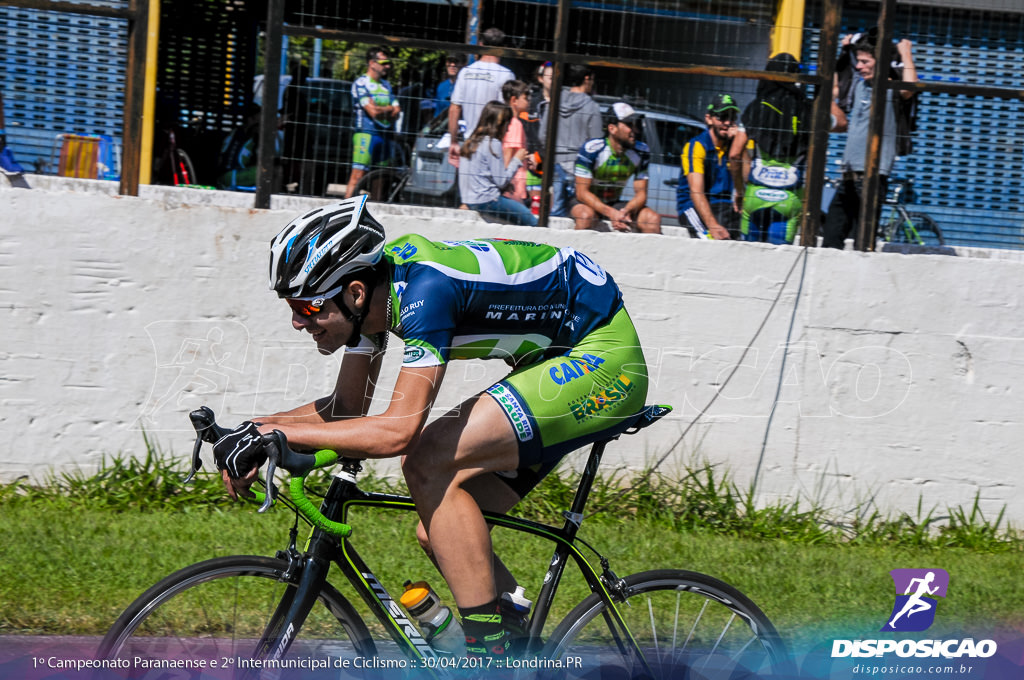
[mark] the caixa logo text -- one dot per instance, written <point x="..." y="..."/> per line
<point x="948" y="649"/>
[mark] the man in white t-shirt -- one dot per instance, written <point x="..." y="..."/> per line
<point x="477" y="84"/>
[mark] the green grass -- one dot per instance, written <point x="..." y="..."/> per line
<point x="80" y="547"/>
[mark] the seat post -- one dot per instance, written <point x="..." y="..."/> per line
<point x="587" y="480"/>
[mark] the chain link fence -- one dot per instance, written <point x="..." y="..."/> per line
<point x="68" y="68"/>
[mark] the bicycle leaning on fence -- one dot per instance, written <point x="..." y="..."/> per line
<point x="257" y="612"/>
<point x="904" y="226"/>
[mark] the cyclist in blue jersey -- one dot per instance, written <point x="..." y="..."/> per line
<point x="376" y="110"/>
<point x="602" y="167"/>
<point x="553" y="314"/>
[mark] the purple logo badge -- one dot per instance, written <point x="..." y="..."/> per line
<point x="916" y="590"/>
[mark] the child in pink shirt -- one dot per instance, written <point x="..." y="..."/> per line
<point x="517" y="95"/>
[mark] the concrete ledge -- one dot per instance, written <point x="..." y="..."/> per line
<point x="852" y="379"/>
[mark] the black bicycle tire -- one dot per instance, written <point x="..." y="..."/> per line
<point x="391" y="177"/>
<point x="924" y="223"/>
<point x="189" y="577"/>
<point x="678" y="580"/>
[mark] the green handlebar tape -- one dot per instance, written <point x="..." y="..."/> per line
<point x="296" y="489"/>
<point x="310" y="512"/>
<point x="325" y="457"/>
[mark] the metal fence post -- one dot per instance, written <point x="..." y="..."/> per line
<point x="268" y="115"/>
<point x="551" y="133"/>
<point x="880" y="93"/>
<point x="818" y="148"/>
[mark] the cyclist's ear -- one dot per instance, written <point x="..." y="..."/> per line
<point x="359" y="291"/>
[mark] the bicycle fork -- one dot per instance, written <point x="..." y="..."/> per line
<point x="294" y="607"/>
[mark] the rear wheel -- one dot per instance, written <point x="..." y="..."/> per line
<point x="927" y="229"/>
<point x="687" y="625"/>
<point x="383" y="185"/>
<point x="218" y="609"/>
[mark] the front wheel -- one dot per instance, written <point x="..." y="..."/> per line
<point x="685" y="624"/>
<point x="218" y="609"/>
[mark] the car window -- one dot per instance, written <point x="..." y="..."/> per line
<point x="672" y="137"/>
<point x="335" y="99"/>
<point x="436" y="126"/>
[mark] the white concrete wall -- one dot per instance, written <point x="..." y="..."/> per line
<point x="898" y="377"/>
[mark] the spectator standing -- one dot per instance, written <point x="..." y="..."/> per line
<point x="516" y="94"/>
<point x="297" y="133"/>
<point x="776" y="124"/>
<point x="844" y="211"/>
<point x="376" y="110"/>
<point x="602" y="167"/>
<point x="483" y="172"/>
<point x="579" y="120"/>
<point x="475" y="86"/>
<point x="455" y="62"/>
<point x="706" y="197"/>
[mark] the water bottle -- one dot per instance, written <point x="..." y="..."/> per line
<point x="440" y="627"/>
<point x="535" y="209"/>
<point x="515" y="611"/>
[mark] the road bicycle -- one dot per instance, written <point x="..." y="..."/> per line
<point x="255" y="613"/>
<point x="173" y="166"/>
<point x="903" y="226"/>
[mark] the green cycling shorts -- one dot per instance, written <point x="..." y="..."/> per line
<point x="560" y="404"/>
<point x="369" y="149"/>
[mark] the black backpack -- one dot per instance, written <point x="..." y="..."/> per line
<point x="779" y="117"/>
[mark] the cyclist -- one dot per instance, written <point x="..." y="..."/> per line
<point x="376" y="110"/>
<point x="602" y="167"/>
<point x="552" y="314"/>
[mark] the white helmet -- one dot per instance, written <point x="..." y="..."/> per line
<point x="314" y="252"/>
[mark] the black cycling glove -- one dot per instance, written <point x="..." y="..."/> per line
<point x="240" y="450"/>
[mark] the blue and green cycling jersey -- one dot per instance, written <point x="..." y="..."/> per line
<point x="494" y="298"/>
<point x="364" y="91"/>
<point x="608" y="170"/>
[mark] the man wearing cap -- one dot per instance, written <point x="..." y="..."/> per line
<point x="602" y="167"/>
<point x="705" y="196"/>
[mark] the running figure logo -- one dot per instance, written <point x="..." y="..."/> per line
<point x="916" y="590"/>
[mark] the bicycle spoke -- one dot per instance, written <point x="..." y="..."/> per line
<point x="725" y="637"/>
<point x="221" y="609"/>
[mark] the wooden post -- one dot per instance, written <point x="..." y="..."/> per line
<point x="134" y="97"/>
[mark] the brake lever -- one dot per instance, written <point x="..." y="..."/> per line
<point x="204" y="422"/>
<point x="273" y="443"/>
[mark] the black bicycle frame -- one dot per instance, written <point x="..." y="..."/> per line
<point x="322" y="548"/>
